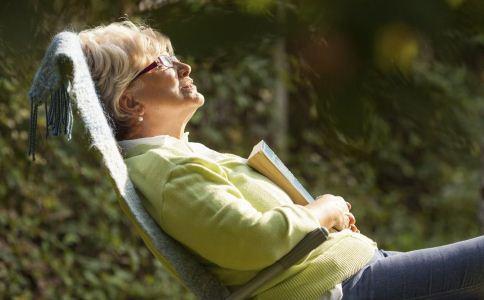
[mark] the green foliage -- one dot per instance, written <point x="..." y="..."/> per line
<point x="385" y="109"/>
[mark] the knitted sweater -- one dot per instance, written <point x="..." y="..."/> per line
<point x="236" y="221"/>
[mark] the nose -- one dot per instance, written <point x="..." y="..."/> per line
<point x="183" y="69"/>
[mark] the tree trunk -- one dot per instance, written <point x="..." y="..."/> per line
<point x="480" y="210"/>
<point x="279" y="114"/>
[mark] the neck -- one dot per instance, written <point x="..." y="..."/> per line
<point x="169" y="125"/>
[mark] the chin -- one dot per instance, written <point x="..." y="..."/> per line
<point x="196" y="98"/>
<point x="193" y="96"/>
<point x="201" y="99"/>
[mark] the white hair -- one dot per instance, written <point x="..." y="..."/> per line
<point x="115" y="54"/>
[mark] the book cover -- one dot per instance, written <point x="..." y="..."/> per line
<point x="265" y="161"/>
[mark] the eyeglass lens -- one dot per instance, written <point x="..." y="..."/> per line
<point x="167" y="61"/>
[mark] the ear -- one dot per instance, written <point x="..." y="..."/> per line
<point x="128" y="104"/>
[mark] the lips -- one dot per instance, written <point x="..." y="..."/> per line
<point x="187" y="85"/>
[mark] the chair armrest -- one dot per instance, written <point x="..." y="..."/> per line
<point x="306" y="245"/>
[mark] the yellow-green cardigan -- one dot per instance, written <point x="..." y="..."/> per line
<point x="235" y="220"/>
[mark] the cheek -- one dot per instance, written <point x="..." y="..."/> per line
<point x="171" y="83"/>
<point x="160" y="86"/>
<point x="171" y="79"/>
<point x="167" y="82"/>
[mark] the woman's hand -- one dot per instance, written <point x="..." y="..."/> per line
<point x="333" y="212"/>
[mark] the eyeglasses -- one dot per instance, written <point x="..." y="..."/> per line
<point x="161" y="61"/>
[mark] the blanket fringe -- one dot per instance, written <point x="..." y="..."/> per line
<point x="58" y="114"/>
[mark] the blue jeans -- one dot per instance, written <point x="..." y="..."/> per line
<point x="454" y="271"/>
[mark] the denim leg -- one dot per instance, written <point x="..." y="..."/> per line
<point x="454" y="271"/>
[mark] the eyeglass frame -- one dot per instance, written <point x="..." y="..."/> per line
<point x="161" y="61"/>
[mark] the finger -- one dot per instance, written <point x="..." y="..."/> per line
<point x="340" y="222"/>
<point x="351" y="217"/>
<point x="347" y="221"/>
<point x="325" y="196"/>
<point x="354" y="228"/>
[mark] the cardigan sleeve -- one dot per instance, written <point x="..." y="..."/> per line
<point x="204" y="211"/>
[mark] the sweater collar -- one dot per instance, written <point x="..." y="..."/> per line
<point x="160" y="140"/>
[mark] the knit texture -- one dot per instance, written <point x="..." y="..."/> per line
<point x="237" y="221"/>
<point x="64" y="72"/>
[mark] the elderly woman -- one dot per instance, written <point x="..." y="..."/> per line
<point x="235" y="220"/>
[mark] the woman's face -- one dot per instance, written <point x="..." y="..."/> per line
<point x="166" y="99"/>
<point x="168" y="89"/>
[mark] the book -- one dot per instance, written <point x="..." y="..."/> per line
<point x="266" y="162"/>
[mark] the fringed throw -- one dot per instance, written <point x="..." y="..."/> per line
<point x="58" y="115"/>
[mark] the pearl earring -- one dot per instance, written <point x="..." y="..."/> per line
<point x="140" y="119"/>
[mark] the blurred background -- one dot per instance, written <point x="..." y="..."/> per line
<point x="378" y="101"/>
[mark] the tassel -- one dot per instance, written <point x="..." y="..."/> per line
<point x="59" y="118"/>
<point x="33" y="127"/>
